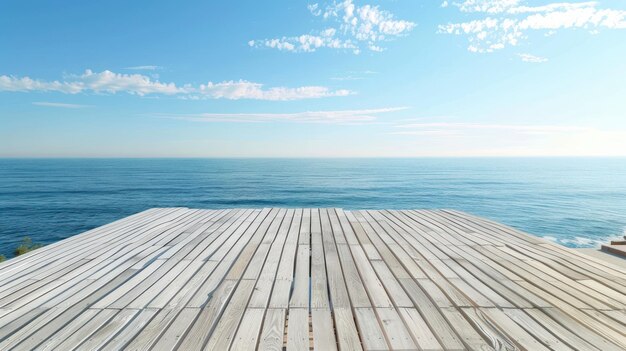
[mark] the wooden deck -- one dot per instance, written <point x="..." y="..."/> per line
<point x="616" y="247"/>
<point x="177" y="278"/>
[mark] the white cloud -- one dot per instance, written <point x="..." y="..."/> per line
<point x="489" y="6"/>
<point x="532" y="58"/>
<point x="102" y="82"/>
<point x="507" y="22"/>
<point x="137" y="84"/>
<point x="58" y="104"/>
<point x="144" y="68"/>
<point x="335" y="117"/>
<point x="11" y="83"/>
<point x="314" y="9"/>
<point x="355" y="27"/>
<point x="306" y="42"/>
<point x="110" y="82"/>
<point x="235" y="90"/>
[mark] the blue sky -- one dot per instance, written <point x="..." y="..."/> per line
<point x="312" y="79"/>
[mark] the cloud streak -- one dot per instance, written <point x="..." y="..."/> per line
<point x="327" y="117"/>
<point x="144" y="68"/>
<point x="353" y="28"/>
<point x="235" y="90"/>
<point x="138" y="84"/>
<point x="532" y="58"/>
<point x="503" y="23"/>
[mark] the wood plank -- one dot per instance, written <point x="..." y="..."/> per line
<point x="265" y="283"/>
<point x="287" y="265"/>
<point x="422" y="334"/>
<point x="356" y="289"/>
<point x="468" y="334"/>
<point x="538" y="331"/>
<point x="372" y="283"/>
<point x="570" y="338"/>
<point x="53" y="341"/>
<point x="86" y="330"/>
<point x="513" y="330"/>
<point x="433" y="316"/>
<point x="174" y="333"/>
<point x="319" y="282"/>
<point x="18" y="266"/>
<point x="397" y="333"/>
<point x="225" y="329"/>
<point x="580" y="328"/>
<point x="122" y="338"/>
<point x="391" y="284"/>
<point x="298" y="329"/>
<point x="238" y="252"/>
<point x="109" y="329"/>
<point x="51" y="293"/>
<point x="273" y="332"/>
<point x="190" y="279"/>
<point x="370" y="332"/>
<point x="362" y="237"/>
<point x="338" y="291"/>
<point x="36" y="328"/>
<point x="490" y="331"/>
<point x="151" y="333"/>
<point x="347" y="334"/>
<point x="209" y="315"/>
<point x="323" y="334"/>
<point x="164" y="296"/>
<point x="248" y="331"/>
<point x="224" y="333"/>
<point x="300" y="294"/>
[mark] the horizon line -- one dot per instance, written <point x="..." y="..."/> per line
<point x="303" y="157"/>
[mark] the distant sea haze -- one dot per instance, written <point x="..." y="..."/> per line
<point x="578" y="202"/>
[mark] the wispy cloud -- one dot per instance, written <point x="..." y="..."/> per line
<point x="58" y="104"/>
<point x="137" y="84"/>
<point x="532" y="58"/>
<point x="333" y="117"/>
<point x="235" y="90"/>
<point x="102" y="82"/>
<point x="144" y="68"/>
<point x="353" y="28"/>
<point x="504" y="23"/>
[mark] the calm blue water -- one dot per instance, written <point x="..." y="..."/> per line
<point x="575" y="201"/>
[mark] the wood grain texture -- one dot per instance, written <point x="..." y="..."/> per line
<point x="302" y="279"/>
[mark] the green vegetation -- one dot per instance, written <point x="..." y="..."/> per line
<point x="26" y="246"/>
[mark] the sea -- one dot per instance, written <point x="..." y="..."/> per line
<point x="576" y="202"/>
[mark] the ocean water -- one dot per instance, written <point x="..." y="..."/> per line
<point x="578" y="202"/>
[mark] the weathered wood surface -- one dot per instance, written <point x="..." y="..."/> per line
<point x="300" y="279"/>
<point x="616" y="248"/>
